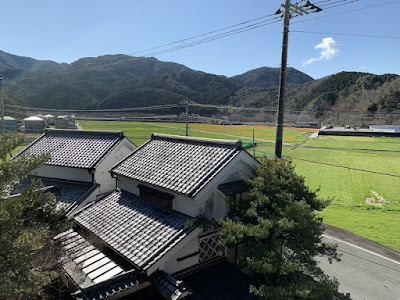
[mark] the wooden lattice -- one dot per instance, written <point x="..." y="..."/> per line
<point x="208" y="247"/>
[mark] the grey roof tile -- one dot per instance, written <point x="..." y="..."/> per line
<point x="133" y="227"/>
<point x="68" y="193"/>
<point x="74" y="148"/>
<point x="234" y="187"/>
<point x="180" y="164"/>
<point x="170" y="287"/>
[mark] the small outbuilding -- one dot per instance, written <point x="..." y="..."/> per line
<point x="34" y="124"/>
<point x="10" y="123"/>
<point x="65" y="122"/>
<point x="49" y="120"/>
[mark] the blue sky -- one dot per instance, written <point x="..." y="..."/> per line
<point x="65" y="31"/>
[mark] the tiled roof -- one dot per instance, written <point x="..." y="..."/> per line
<point x="171" y="287"/>
<point x="66" y="192"/>
<point x="180" y="164"/>
<point x="234" y="187"/>
<point x="96" y="271"/>
<point x="74" y="148"/>
<point x="139" y="231"/>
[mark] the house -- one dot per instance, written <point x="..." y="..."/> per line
<point x="80" y="160"/>
<point x="65" y="122"/>
<point x="49" y="119"/>
<point x="10" y="123"/>
<point x="139" y="227"/>
<point x="34" y="124"/>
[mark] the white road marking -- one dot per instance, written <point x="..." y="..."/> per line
<point x="368" y="251"/>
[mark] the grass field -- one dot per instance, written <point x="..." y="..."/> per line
<point x="348" y="170"/>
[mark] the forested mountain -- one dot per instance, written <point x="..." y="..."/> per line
<point x="266" y="77"/>
<point x="10" y="61"/>
<point x="121" y="81"/>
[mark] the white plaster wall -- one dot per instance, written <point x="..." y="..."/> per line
<point x="102" y="175"/>
<point x="242" y="166"/>
<point x="172" y="265"/>
<point x="128" y="185"/>
<point x="187" y="205"/>
<point x="75" y="174"/>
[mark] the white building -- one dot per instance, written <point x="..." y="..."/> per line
<point x="79" y="163"/>
<point x="161" y="185"/>
<point x="34" y="124"/>
<point x="385" y="128"/>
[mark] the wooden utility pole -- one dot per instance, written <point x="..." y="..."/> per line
<point x="282" y="82"/>
<point x="290" y="11"/>
<point x="187" y="118"/>
<point x="2" y="108"/>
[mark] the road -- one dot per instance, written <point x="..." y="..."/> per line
<point x="366" y="270"/>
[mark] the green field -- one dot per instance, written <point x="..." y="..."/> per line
<point x="331" y="168"/>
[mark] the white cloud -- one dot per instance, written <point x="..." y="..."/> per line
<point x="329" y="48"/>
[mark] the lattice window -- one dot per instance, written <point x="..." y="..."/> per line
<point x="208" y="247"/>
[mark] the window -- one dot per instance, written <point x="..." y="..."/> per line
<point x="156" y="197"/>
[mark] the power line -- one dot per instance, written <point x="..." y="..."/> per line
<point x="203" y="34"/>
<point x="344" y="167"/>
<point x="333" y="165"/>
<point x="349" y="34"/>
<point x="348" y="11"/>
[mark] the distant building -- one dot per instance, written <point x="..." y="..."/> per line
<point x="34" y="124"/>
<point x="385" y="128"/>
<point x="308" y="124"/>
<point x="49" y="120"/>
<point x="65" y="122"/>
<point x="10" y="124"/>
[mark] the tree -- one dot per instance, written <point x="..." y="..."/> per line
<point x="282" y="235"/>
<point x="26" y="225"/>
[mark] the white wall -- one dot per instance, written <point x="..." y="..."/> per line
<point x="128" y="185"/>
<point x="172" y="265"/>
<point x="102" y="175"/>
<point x="168" y="262"/>
<point x="65" y="173"/>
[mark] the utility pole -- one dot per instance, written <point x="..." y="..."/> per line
<point x="290" y="11"/>
<point x="186" y="115"/>
<point x="2" y="107"/>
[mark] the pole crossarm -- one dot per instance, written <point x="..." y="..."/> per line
<point x="296" y="9"/>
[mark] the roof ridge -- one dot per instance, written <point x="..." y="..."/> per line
<point x="51" y="131"/>
<point x="198" y="140"/>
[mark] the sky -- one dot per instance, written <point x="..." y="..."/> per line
<point x="336" y="39"/>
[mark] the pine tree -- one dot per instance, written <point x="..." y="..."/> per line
<point x="282" y="235"/>
<point x="26" y="223"/>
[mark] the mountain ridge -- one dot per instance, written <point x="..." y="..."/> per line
<point x="121" y="81"/>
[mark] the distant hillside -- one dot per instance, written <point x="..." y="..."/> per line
<point x="10" y="61"/>
<point x="269" y="78"/>
<point x="345" y="92"/>
<point x="121" y="81"/>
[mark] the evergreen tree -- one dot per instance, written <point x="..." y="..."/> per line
<point x="26" y="224"/>
<point x="282" y="234"/>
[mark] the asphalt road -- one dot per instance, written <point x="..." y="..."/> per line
<point x="366" y="270"/>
